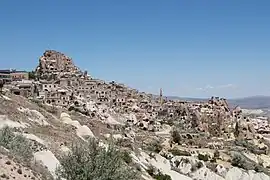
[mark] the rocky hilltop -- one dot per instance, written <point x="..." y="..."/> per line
<point x="164" y="138"/>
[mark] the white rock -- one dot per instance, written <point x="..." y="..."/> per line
<point x="6" y="98"/>
<point x="238" y="174"/>
<point x="164" y="166"/>
<point x="80" y="130"/>
<point x="34" y="115"/>
<point x="48" y="159"/>
<point x="35" y="138"/>
<point x="4" y="121"/>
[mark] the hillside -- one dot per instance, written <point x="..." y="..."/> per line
<point x="254" y="102"/>
<point x="155" y="138"/>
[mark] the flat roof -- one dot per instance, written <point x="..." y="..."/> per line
<point x="6" y="71"/>
<point x="9" y="71"/>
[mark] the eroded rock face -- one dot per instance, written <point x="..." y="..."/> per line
<point x="55" y="62"/>
<point x="244" y="129"/>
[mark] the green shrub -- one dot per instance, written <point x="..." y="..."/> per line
<point x="203" y="157"/>
<point x="199" y="165"/>
<point x="126" y="157"/>
<point x="90" y="161"/>
<point x="6" y="136"/>
<point x="157" y="175"/>
<point x="176" y="136"/>
<point x="216" y="154"/>
<point x="151" y="170"/>
<point x="155" y="146"/>
<point x="196" y="166"/>
<point x="161" y="176"/>
<point x="178" y="152"/>
<point x="240" y="161"/>
<point x="17" y="144"/>
<point x="20" y="146"/>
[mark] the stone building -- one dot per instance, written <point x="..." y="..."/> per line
<point x="5" y="75"/>
<point x="19" y="75"/>
<point x="23" y="88"/>
<point x="13" y="75"/>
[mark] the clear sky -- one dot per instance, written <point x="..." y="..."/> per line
<point x="190" y="48"/>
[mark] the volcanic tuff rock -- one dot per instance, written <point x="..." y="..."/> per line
<point x="185" y="140"/>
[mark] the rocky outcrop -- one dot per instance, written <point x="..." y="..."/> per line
<point x="53" y="62"/>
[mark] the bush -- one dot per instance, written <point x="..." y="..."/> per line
<point x="6" y="136"/>
<point x="151" y="170"/>
<point x="203" y="157"/>
<point x="126" y="157"/>
<point x="178" y="152"/>
<point x="161" y="176"/>
<point x="17" y="144"/>
<point x="157" y="175"/>
<point x="196" y="166"/>
<point x="216" y="154"/>
<point x="155" y="146"/>
<point x="176" y="136"/>
<point x="90" y="161"/>
<point x="20" y="146"/>
<point x="240" y="161"/>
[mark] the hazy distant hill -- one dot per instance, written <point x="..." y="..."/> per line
<point x="254" y="102"/>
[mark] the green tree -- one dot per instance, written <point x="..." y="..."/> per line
<point x="32" y="75"/>
<point x="1" y="85"/>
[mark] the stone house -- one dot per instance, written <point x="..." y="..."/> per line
<point x="60" y="97"/>
<point x="13" y="75"/>
<point x="19" y="75"/>
<point x="23" y="88"/>
<point x="5" y="76"/>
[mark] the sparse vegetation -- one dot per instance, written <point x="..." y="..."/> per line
<point x="21" y="147"/>
<point x="157" y="174"/>
<point x="17" y="144"/>
<point x="250" y="146"/>
<point x="196" y="166"/>
<point x="176" y="137"/>
<point x="126" y="157"/>
<point x="161" y="176"/>
<point x="1" y="85"/>
<point x="155" y="146"/>
<point x="216" y="154"/>
<point x="240" y="161"/>
<point x="32" y="75"/>
<point x="151" y="170"/>
<point x="124" y="142"/>
<point x="178" y="152"/>
<point x="204" y="158"/>
<point x="6" y="136"/>
<point x="90" y="161"/>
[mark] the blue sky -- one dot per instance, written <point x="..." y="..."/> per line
<point x="189" y="48"/>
